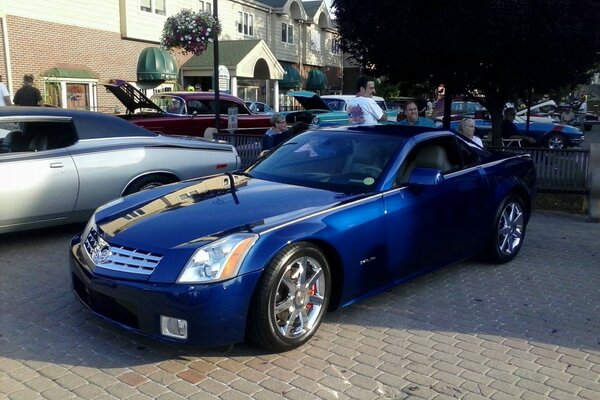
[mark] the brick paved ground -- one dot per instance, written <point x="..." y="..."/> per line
<point x="526" y="330"/>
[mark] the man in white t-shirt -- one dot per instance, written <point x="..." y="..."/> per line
<point x="363" y="110"/>
<point x="583" y="105"/>
<point x="4" y="95"/>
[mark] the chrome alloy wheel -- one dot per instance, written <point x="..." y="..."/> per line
<point x="510" y="228"/>
<point x="299" y="298"/>
<point x="556" y="141"/>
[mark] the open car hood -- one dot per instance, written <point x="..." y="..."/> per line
<point x="309" y="100"/>
<point x="132" y="98"/>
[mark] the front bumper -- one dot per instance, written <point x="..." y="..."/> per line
<point x="577" y="141"/>
<point x="215" y="313"/>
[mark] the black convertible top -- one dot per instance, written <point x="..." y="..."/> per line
<point x="88" y="124"/>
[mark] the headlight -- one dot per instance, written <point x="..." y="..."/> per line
<point x="219" y="260"/>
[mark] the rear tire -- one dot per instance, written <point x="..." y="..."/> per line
<point x="508" y="230"/>
<point x="147" y="182"/>
<point x="291" y="299"/>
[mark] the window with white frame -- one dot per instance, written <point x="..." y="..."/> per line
<point x="315" y="41"/>
<point x="245" y="23"/>
<point x="335" y="47"/>
<point x="153" y="6"/>
<point x="71" y="93"/>
<point x="287" y="33"/>
<point x="205" y="6"/>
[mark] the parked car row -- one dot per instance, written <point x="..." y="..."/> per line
<point x="542" y="129"/>
<point x="186" y="113"/>
<point x="549" y="111"/>
<point x="546" y="134"/>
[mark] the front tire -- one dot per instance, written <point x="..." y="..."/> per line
<point x="556" y="141"/>
<point x="509" y="230"/>
<point x="292" y="298"/>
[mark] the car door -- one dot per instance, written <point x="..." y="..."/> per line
<point x="37" y="186"/>
<point x="432" y="225"/>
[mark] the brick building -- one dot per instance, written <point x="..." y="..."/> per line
<point x="266" y="48"/>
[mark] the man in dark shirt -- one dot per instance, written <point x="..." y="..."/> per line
<point x="508" y="126"/>
<point x="28" y="95"/>
<point x="510" y="130"/>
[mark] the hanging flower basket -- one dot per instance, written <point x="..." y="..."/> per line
<point x="189" y="31"/>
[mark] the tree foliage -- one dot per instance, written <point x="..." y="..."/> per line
<point x="503" y="48"/>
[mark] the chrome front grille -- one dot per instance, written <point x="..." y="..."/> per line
<point x="119" y="258"/>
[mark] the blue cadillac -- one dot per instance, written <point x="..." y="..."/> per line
<point x="329" y="218"/>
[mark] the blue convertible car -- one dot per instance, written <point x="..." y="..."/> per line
<point x="328" y="218"/>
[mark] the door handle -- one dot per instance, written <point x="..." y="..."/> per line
<point x="57" y="165"/>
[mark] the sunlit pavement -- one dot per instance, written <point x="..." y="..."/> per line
<point x="529" y="329"/>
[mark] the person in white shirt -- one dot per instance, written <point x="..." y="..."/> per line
<point x="4" y="94"/>
<point x="363" y="110"/>
<point x="466" y="127"/>
<point x="583" y="105"/>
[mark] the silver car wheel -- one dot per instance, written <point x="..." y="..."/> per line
<point x="299" y="298"/>
<point x="556" y="141"/>
<point x="510" y="228"/>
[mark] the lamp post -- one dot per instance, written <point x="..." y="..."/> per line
<point x="216" y="70"/>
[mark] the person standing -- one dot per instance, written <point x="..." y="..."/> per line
<point x="466" y="127"/>
<point x="412" y="117"/>
<point x="276" y="134"/>
<point x="28" y="95"/>
<point x="4" y="94"/>
<point x="362" y="109"/>
<point x="583" y="106"/>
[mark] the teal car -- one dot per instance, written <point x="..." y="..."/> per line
<point x="327" y="110"/>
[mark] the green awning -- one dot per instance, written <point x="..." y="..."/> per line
<point x="316" y="80"/>
<point x="155" y="64"/>
<point x="72" y="72"/>
<point x="291" y="78"/>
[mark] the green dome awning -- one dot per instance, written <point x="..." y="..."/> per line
<point x="316" y="80"/>
<point x="155" y="64"/>
<point x="291" y="78"/>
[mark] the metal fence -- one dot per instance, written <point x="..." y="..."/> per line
<point x="558" y="171"/>
<point x="248" y="146"/>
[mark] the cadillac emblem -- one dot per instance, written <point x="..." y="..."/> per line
<point x="101" y="252"/>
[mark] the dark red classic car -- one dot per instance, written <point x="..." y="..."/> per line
<point x="186" y="113"/>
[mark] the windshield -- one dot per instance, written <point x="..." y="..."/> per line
<point x="343" y="161"/>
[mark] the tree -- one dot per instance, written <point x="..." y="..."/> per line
<point x="504" y="48"/>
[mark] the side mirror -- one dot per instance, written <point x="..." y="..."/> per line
<point x="425" y="177"/>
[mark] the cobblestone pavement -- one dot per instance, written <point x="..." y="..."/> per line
<point x="525" y="330"/>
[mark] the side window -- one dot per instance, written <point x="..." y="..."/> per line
<point x="196" y="106"/>
<point x="39" y="136"/>
<point x="468" y="155"/>
<point x="438" y="153"/>
<point x="335" y="105"/>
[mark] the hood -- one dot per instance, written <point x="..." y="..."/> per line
<point x="175" y="215"/>
<point x="309" y="100"/>
<point x="131" y="97"/>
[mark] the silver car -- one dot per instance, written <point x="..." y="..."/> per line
<point x="57" y="166"/>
